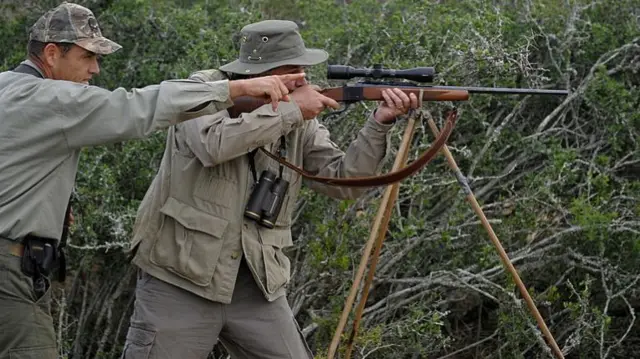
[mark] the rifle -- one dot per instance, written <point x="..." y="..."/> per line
<point x="372" y="91"/>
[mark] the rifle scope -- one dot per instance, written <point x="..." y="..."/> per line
<point x="418" y="74"/>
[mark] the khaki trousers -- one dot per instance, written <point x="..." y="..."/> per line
<point x="169" y="323"/>
<point x="26" y="326"/>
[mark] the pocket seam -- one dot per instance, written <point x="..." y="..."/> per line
<point x="36" y="349"/>
<point x="304" y="341"/>
<point x="276" y="270"/>
<point x="176" y="210"/>
<point x="202" y="189"/>
<point x="276" y="237"/>
<point x="194" y="229"/>
<point x="150" y="335"/>
<point x="144" y="346"/>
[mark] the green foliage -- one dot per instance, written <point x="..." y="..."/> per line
<point x="563" y="198"/>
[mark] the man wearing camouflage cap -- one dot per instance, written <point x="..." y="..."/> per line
<point x="207" y="271"/>
<point x="48" y="113"/>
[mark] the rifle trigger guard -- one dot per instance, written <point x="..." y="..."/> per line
<point x="337" y="112"/>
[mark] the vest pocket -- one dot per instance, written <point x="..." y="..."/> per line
<point x="188" y="242"/>
<point x="277" y="265"/>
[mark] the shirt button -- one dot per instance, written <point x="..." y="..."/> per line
<point x="235" y="255"/>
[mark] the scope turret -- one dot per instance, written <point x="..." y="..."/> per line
<point x="418" y="74"/>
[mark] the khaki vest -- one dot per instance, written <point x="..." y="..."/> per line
<point x="190" y="226"/>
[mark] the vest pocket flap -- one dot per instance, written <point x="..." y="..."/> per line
<point x="276" y="237"/>
<point x="193" y="218"/>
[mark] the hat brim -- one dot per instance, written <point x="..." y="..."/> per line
<point x="99" y="45"/>
<point x="309" y="58"/>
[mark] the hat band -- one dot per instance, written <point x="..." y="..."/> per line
<point x="276" y="56"/>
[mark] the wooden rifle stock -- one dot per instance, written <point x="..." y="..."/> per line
<point x="246" y="104"/>
<point x="374" y="93"/>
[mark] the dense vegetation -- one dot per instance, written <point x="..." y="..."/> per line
<point x="557" y="177"/>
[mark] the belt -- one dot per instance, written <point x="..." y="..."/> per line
<point x="15" y="248"/>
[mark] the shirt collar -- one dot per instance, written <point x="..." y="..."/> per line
<point x="32" y="64"/>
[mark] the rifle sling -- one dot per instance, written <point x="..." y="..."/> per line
<point x="385" y="179"/>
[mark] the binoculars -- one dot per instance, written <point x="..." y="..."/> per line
<point x="266" y="199"/>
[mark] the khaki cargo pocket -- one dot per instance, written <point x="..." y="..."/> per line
<point x="138" y="344"/>
<point x="48" y="352"/>
<point x="277" y="266"/>
<point x="189" y="242"/>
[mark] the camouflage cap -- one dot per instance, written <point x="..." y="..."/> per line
<point x="268" y="44"/>
<point x="75" y="24"/>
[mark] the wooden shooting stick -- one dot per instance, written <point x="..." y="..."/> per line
<point x="377" y="235"/>
<point x="494" y="239"/>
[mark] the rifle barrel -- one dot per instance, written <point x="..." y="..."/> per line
<point x="503" y="90"/>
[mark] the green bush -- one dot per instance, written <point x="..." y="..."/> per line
<point x="557" y="177"/>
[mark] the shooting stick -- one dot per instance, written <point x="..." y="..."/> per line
<point x="377" y="234"/>
<point x="503" y="255"/>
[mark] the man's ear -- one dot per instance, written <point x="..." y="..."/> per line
<point x="50" y="54"/>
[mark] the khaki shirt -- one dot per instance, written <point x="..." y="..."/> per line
<point x="190" y="225"/>
<point x="44" y="124"/>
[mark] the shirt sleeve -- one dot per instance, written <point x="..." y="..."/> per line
<point x="363" y="157"/>
<point x="94" y="116"/>
<point x="218" y="138"/>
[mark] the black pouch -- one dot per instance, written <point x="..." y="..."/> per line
<point x="39" y="256"/>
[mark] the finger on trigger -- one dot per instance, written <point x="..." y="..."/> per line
<point x="331" y="103"/>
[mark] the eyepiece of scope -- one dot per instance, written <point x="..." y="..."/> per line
<point x="418" y="74"/>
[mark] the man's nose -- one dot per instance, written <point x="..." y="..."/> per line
<point x="94" y="69"/>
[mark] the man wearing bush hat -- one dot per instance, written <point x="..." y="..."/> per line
<point x="206" y="270"/>
<point x="48" y="113"/>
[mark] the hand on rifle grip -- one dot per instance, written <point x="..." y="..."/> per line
<point x="311" y="101"/>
